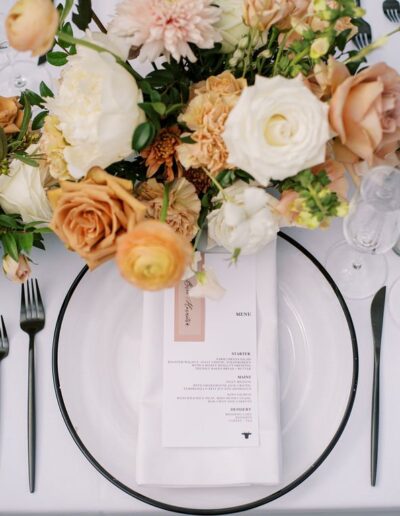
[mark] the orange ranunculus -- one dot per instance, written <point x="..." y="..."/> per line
<point x="152" y="256"/>
<point x="89" y="216"/>
<point x="32" y="25"/>
<point x="365" y="113"/>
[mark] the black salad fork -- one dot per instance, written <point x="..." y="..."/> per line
<point x="32" y="321"/>
<point x="391" y="9"/>
<point x="363" y="38"/>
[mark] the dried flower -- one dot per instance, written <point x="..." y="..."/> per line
<point x="167" y="28"/>
<point x="198" y="178"/>
<point x="152" y="256"/>
<point x="162" y="152"/>
<point x="11" y="114"/>
<point x="183" y="209"/>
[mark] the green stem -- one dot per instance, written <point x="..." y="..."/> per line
<point x="88" y="44"/>
<point x="215" y="183"/>
<point x="165" y="204"/>
<point x="300" y="56"/>
<point x="317" y="201"/>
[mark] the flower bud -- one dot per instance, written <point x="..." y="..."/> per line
<point x="319" y="47"/>
<point x="32" y="25"/>
<point x="19" y="271"/>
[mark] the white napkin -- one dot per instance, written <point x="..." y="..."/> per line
<point x="212" y="467"/>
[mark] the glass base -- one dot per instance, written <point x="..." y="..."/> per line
<point x="358" y="275"/>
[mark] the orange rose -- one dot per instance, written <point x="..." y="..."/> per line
<point x="32" y="25"/>
<point x="89" y="216"/>
<point x="152" y="256"/>
<point x="11" y="114"/>
<point x="365" y="112"/>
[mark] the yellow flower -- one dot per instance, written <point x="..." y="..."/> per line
<point x="319" y="47"/>
<point x="32" y="25"/>
<point x="152" y="256"/>
<point x="52" y="144"/>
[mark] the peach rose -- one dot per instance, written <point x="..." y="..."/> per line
<point x="19" y="271"/>
<point x="365" y="113"/>
<point x="263" y="14"/>
<point x="32" y="25"/>
<point x="11" y="114"/>
<point x="90" y="216"/>
<point x="152" y="256"/>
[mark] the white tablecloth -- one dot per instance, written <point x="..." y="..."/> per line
<point x="67" y="483"/>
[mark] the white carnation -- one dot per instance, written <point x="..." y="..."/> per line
<point x="22" y="192"/>
<point x="277" y="128"/>
<point x="97" y="109"/>
<point x="245" y="220"/>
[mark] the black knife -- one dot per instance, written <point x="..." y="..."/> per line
<point x="377" y="313"/>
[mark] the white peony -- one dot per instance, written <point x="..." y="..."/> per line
<point x="96" y="108"/>
<point x="277" y="128"/>
<point x="245" y="220"/>
<point x="231" y="25"/>
<point x="21" y="191"/>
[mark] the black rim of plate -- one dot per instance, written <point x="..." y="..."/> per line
<point x="229" y="510"/>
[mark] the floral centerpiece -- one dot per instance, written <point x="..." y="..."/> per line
<point x="247" y="120"/>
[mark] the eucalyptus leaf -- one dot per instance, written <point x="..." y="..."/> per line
<point x="34" y="98"/>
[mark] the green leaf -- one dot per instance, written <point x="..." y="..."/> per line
<point x="26" y="118"/>
<point x="84" y="15"/>
<point x="10" y="245"/>
<point x="27" y="160"/>
<point x="8" y="221"/>
<point x="45" y="91"/>
<point x="143" y="136"/>
<point x="38" y="121"/>
<point x="160" y="108"/>
<point x="174" y="108"/>
<point x="187" y="139"/>
<point x="57" y="58"/>
<point x="25" y="241"/>
<point x="34" y="98"/>
<point x="3" y="144"/>
<point x="155" y="96"/>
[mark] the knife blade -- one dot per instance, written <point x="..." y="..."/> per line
<point x="377" y="316"/>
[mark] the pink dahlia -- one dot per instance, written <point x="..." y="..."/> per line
<point x="166" y="27"/>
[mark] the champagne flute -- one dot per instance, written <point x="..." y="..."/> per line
<point x="371" y="229"/>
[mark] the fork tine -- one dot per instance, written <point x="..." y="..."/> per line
<point x="23" y="303"/>
<point x="39" y="300"/>
<point x="29" y="311"/>
<point x="4" y="336"/>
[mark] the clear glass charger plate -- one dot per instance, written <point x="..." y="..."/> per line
<point x="95" y="370"/>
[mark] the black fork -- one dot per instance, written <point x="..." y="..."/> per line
<point x="391" y="9"/>
<point x="363" y="38"/>
<point x="32" y="321"/>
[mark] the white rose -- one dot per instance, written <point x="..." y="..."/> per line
<point x="207" y="286"/>
<point x="244" y="221"/>
<point x="277" y="128"/>
<point x="230" y="25"/>
<point x="97" y="109"/>
<point x="21" y="191"/>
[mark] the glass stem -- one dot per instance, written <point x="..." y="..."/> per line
<point x="357" y="261"/>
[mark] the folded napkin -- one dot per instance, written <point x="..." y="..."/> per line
<point x="212" y="467"/>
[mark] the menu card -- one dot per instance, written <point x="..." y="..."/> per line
<point x="210" y="383"/>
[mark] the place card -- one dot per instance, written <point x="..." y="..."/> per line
<point x="210" y="361"/>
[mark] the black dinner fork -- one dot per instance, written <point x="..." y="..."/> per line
<point x="363" y="38"/>
<point x="391" y="9"/>
<point x="4" y="344"/>
<point x="32" y="321"/>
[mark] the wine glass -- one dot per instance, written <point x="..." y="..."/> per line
<point x="371" y="228"/>
<point x="17" y="71"/>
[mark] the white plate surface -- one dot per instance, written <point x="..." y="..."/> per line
<point x="98" y="368"/>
